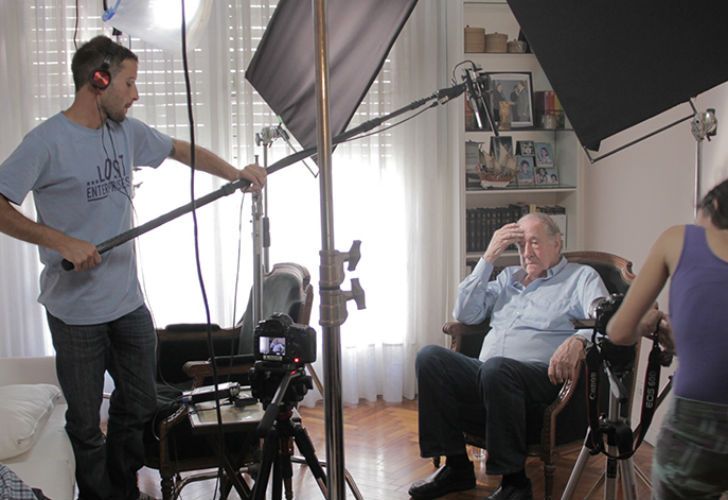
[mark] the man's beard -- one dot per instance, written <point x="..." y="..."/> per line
<point x="114" y="117"/>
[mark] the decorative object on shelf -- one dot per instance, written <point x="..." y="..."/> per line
<point x="517" y="88"/>
<point x="506" y="114"/>
<point x="517" y="47"/>
<point x="549" y="113"/>
<point x="522" y="38"/>
<point x="496" y="43"/>
<point x="525" y="170"/>
<point x="474" y="39"/>
<point x="498" y="169"/>
<point x="544" y="154"/>
<point x="472" y="164"/>
<point x="550" y="120"/>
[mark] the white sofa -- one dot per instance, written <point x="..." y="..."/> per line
<point x="49" y="463"/>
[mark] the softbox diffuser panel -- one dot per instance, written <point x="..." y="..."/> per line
<point x="360" y="34"/>
<point x="616" y="63"/>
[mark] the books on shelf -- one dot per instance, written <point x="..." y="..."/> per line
<point x="481" y="223"/>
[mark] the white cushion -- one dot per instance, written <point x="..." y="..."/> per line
<point x="24" y="410"/>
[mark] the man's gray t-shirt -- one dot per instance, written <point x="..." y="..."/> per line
<point x="81" y="181"/>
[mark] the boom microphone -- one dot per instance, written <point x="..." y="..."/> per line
<point x="474" y="85"/>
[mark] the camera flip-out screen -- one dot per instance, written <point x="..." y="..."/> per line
<point x="272" y="348"/>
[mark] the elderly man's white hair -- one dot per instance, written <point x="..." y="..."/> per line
<point x="551" y="227"/>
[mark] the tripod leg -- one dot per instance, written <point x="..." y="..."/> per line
<point x="626" y="472"/>
<point x="305" y="446"/>
<point x="270" y="452"/>
<point x="576" y="471"/>
<point x="276" y="491"/>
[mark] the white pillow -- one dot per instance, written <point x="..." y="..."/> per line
<point x="24" y="410"/>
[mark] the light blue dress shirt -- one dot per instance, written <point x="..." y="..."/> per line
<point x="529" y="322"/>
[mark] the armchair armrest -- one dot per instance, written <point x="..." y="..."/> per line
<point x="457" y="329"/>
<point x="466" y="339"/>
<point x="548" y="431"/>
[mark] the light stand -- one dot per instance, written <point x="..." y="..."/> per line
<point x="704" y="126"/>
<point x="261" y="226"/>
<point x="261" y="244"/>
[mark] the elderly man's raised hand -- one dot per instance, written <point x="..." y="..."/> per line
<point x="510" y="234"/>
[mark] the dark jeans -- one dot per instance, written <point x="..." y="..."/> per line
<point x="106" y="468"/>
<point x="461" y="394"/>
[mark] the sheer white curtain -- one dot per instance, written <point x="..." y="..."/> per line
<point x="36" y="44"/>
<point x="391" y="191"/>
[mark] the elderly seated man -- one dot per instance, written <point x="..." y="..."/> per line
<point x="530" y="350"/>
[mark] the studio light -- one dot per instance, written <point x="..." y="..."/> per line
<point x="159" y="22"/>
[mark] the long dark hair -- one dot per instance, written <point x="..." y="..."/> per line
<point x="715" y="205"/>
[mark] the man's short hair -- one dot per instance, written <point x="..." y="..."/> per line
<point x="552" y="229"/>
<point x="91" y="55"/>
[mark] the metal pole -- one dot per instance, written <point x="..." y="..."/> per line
<point x="696" y="175"/>
<point x="266" y="224"/>
<point x="331" y="331"/>
<point x="257" y="308"/>
<point x="704" y="126"/>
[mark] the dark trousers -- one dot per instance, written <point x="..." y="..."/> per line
<point x="461" y="394"/>
<point x="106" y="467"/>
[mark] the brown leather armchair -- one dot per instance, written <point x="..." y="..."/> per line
<point x="565" y="420"/>
<point x="170" y="445"/>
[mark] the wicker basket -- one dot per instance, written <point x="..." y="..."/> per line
<point x="496" y="42"/>
<point x="474" y="39"/>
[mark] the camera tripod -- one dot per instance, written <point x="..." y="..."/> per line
<point x="279" y="429"/>
<point x="616" y="421"/>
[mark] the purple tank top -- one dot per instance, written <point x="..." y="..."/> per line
<point x="699" y="316"/>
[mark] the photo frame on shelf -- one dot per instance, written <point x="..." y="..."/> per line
<point x="546" y="176"/>
<point x="515" y="88"/>
<point x="544" y="154"/>
<point x="525" y="148"/>
<point x="525" y="170"/>
<point x="552" y="176"/>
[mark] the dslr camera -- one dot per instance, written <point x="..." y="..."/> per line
<point x="281" y="341"/>
<point x="601" y="311"/>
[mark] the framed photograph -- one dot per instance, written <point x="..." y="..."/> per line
<point x="552" y="176"/>
<point x="544" y="154"/>
<point x="544" y="176"/>
<point x="525" y="148"/>
<point x="525" y="170"/>
<point x="516" y="91"/>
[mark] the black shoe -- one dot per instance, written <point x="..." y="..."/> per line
<point x="445" y="480"/>
<point x="512" y="492"/>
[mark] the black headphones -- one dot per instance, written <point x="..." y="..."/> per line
<point x="101" y="76"/>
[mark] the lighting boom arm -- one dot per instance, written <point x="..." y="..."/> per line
<point x="442" y="96"/>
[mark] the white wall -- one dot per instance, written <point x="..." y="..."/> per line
<point x="632" y="196"/>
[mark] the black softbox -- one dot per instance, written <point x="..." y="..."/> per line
<point x="616" y="63"/>
<point x="360" y="34"/>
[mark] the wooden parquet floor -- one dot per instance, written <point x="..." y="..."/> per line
<point x="382" y="454"/>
